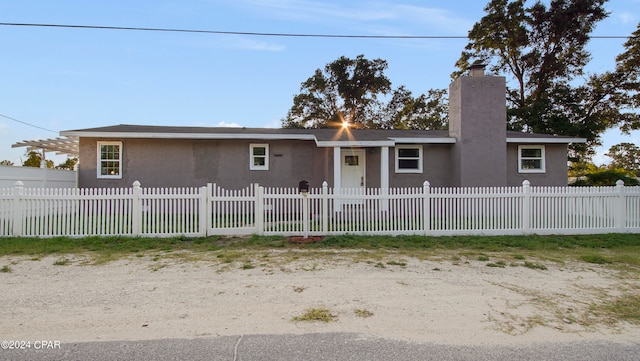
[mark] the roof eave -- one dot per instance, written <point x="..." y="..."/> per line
<point x="145" y="135"/>
<point x="546" y="140"/>
<point x="284" y="136"/>
<point x="355" y="143"/>
<point x="442" y="140"/>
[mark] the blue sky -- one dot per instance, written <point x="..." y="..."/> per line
<point x="62" y="79"/>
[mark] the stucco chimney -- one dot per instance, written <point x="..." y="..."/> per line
<point x="477" y="119"/>
<point x="477" y="69"/>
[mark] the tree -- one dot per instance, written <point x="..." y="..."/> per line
<point x="353" y="90"/>
<point x="6" y="162"/>
<point x="34" y="159"/>
<point x="607" y="177"/>
<point x="626" y="81"/>
<point x="580" y="169"/>
<point x="69" y="163"/>
<point x="425" y="112"/>
<point x="625" y="156"/>
<point x="543" y="50"/>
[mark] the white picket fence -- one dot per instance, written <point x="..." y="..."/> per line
<point x="212" y="210"/>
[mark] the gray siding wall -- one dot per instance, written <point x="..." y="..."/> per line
<point x="556" y="167"/>
<point x="436" y="168"/>
<point x="193" y="163"/>
<point x="169" y="163"/>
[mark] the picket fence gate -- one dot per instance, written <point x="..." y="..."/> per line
<point x="212" y="210"/>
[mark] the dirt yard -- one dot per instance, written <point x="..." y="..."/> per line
<point x="462" y="302"/>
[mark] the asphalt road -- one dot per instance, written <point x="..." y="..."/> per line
<point x="321" y="346"/>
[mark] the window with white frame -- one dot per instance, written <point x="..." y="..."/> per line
<point x="109" y="160"/>
<point x="531" y="159"/>
<point x="409" y="159"/>
<point x="259" y="156"/>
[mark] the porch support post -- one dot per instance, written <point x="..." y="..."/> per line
<point x="337" y="162"/>
<point x="384" y="178"/>
<point x="337" y="177"/>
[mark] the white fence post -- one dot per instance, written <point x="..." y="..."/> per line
<point x="259" y="209"/>
<point x="305" y="215"/>
<point x="18" y="191"/>
<point x="203" y="219"/>
<point x="325" y="207"/>
<point x="209" y="213"/>
<point x="526" y="207"/>
<point x="621" y="209"/>
<point x="426" y="206"/>
<point x="136" y="209"/>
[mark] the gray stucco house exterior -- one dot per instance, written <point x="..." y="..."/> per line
<point x="476" y="150"/>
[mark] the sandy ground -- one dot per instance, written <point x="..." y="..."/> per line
<point x="460" y="302"/>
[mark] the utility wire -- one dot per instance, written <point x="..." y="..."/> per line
<point x="99" y="27"/>
<point x="25" y="123"/>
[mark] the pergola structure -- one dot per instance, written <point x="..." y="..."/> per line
<point x="66" y="145"/>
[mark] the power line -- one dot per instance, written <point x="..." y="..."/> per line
<point x="218" y="32"/>
<point x="99" y="27"/>
<point x="25" y="123"/>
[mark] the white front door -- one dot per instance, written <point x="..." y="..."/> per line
<point x="353" y="168"/>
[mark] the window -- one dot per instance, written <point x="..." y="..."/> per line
<point x="259" y="156"/>
<point x="531" y="159"/>
<point x="409" y="159"/>
<point x="351" y="160"/>
<point x="110" y="160"/>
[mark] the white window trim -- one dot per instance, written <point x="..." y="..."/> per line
<point x="542" y="159"/>
<point x="252" y="165"/>
<point x="420" y="159"/>
<point x="99" y="161"/>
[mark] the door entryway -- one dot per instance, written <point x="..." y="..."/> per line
<point x="353" y="168"/>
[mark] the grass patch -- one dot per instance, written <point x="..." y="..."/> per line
<point x="362" y="313"/>
<point x="499" y="264"/>
<point x="625" y="308"/>
<point x="248" y="266"/>
<point x="157" y="267"/>
<point x="316" y="314"/>
<point x="61" y="262"/>
<point x="6" y="269"/>
<point x="535" y="265"/>
<point x="299" y="289"/>
<point x="397" y="263"/>
<point x="620" y="249"/>
<point x="595" y="258"/>
<point x="312" y="268"/>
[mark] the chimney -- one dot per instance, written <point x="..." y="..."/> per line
<point x="477" y="68"/>
<point x="477" y="119"/>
